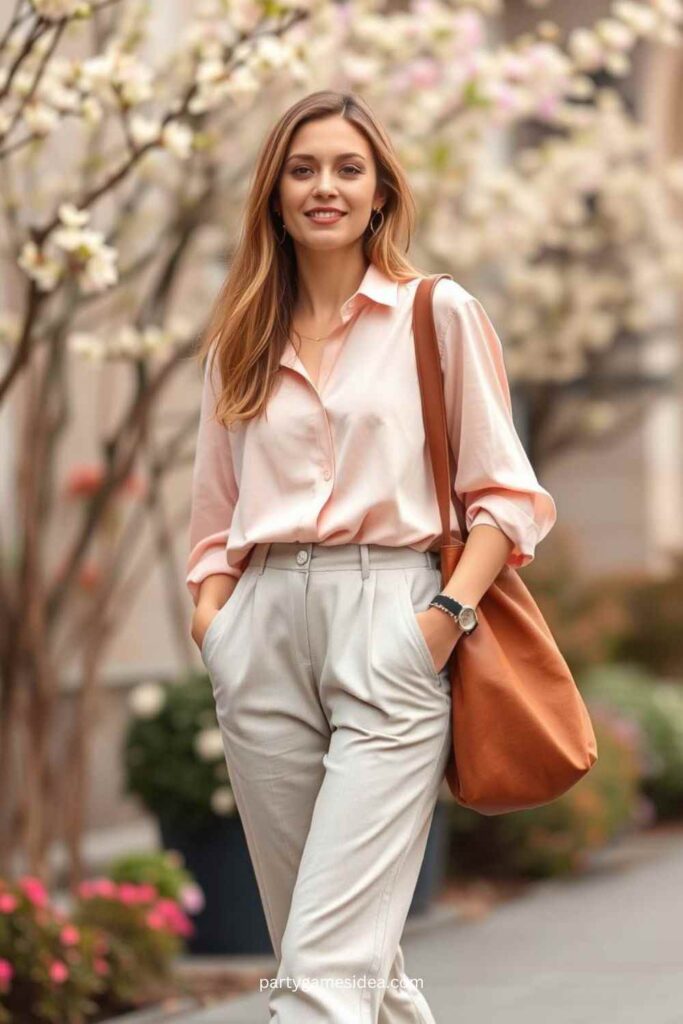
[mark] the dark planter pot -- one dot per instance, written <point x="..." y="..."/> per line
<point x="433" y="868"/>
<point x="232" y="921"/>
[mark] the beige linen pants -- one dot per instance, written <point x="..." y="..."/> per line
<point x="336" y="730"/>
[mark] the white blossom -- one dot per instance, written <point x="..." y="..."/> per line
<point x="223" y="801"/>
<point x="44" y="270"/>
<point x="144" y="130"/>
<point x="177" y="139"/>
<point x="586" y="49"/>
<point x="100" y="270"/>
<point x="209" y="744"/>
<point x="91" y="110"/>
<point x="153" y="338"/>
<point x="72" y="216"/>
<point x="86" y="345"/>
<point x="147" y="699"/>
<point x="643" y="20"/>
<point x="40" y="118"/>
<point x="615" y="34"/>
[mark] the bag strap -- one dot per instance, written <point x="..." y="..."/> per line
<point x="430" y="377"/>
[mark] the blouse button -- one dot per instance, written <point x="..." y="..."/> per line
<point x="327" y="474"/>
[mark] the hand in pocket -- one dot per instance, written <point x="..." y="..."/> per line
<point x="441" y="634"/>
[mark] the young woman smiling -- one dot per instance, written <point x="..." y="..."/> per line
<point x="314" y="551"/>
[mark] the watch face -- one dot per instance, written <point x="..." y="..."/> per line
<point x="467" y="618"/>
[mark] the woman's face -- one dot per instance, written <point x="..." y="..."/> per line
<point x="328" y="163"/>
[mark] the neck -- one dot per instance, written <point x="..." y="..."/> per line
<point x="325" y="281"/>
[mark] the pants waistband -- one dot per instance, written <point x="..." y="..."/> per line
<point x="314" y="556"/>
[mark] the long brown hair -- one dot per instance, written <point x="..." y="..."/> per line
<point x="251" y="317"/>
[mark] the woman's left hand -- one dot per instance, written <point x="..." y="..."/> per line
<point x="441" y="634"/>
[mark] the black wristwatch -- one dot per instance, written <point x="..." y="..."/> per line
<point x="464" y="614"/>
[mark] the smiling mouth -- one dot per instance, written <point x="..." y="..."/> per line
<point x="332" y="215"/>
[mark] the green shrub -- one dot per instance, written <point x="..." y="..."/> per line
<point x="657" y="708"/>
<point x="173" y="754"/>
<point x="588" y="617"/>
<point x="655" y="623"/>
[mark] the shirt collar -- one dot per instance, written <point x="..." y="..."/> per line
<point x="376" y="285"/>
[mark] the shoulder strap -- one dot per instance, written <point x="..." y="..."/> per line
<point x="433" y="403"/>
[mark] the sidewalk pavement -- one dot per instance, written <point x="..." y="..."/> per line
<point x="603" y="948"/>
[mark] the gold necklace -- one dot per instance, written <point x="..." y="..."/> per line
<point x="323" y="337"/>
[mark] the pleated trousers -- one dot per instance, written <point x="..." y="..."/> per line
<point x="336" y="729"/>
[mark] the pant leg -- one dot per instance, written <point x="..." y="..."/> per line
<point x="390" y="718"/>
<point x="273" y="728"/>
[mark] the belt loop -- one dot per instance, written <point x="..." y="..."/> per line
<point x="266" y="549"/>
<point x="364" y="561"/>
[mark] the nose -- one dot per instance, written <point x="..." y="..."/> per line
<point x="325" y="182"/>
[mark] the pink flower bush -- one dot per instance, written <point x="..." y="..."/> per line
<point x="159" y="914"/>
<point x="119" y="938"/>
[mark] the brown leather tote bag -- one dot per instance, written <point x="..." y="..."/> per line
<point x="522" y="735"/>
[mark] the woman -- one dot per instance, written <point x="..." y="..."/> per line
<point x="314" y="551"/>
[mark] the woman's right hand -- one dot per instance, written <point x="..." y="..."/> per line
<point x="201" y="620"/>
<point x="214" y="591"/>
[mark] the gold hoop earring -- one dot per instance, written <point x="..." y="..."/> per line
<point x="373" y="229"/>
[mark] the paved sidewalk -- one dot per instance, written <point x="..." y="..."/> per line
<point x="605" y="948"/>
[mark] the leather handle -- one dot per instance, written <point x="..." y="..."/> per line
<point x="433" y="403"/>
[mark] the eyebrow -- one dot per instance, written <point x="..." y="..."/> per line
<point x="310" y="156"/>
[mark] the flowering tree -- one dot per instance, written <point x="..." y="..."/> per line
<point x="122" y="170"/>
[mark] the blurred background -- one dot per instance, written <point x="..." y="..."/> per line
<point x="544" y="145"/>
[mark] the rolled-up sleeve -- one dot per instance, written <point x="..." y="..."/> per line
<point x="494" y="478"/>
<point x="214" y="491"/>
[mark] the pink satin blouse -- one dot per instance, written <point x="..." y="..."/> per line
<point x="345" y="460"/>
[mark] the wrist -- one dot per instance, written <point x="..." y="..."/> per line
<point x="447" y="625"/>
<point x="463" y="615"/>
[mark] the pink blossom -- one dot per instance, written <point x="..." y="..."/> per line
<point x="59" y="972"/>
<point x="70" y="935"/>
<point x="8" y="902"/>
<point x="192" y="898"/>
<point x="34" y="890"/>
<point x="6" y="973"/>
<point x="97" y="887"/>
<point x="130" y="893"/>
<point x="155" y="920"/>
<point x="100" y="966"/>
<point x="175" y="920"/>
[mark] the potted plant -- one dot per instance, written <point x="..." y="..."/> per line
<point x="175" y="764"/>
